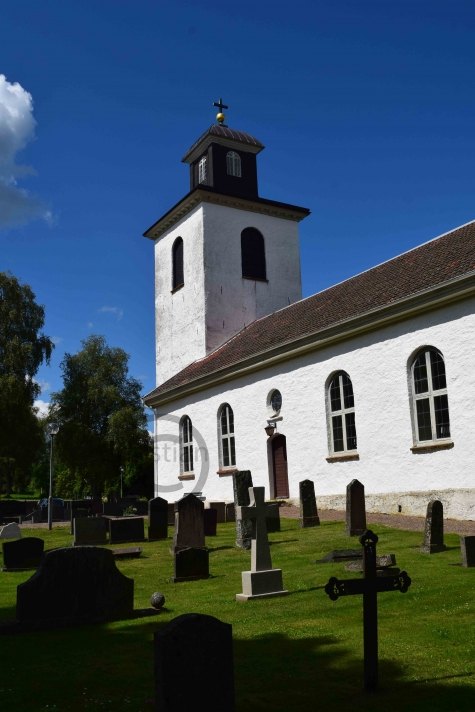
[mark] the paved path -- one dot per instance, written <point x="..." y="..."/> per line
<point x="451" y="526"/>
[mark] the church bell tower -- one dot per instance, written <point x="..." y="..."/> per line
<point x="224" y="256"/>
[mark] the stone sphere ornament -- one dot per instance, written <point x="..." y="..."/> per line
<point x="157" y="600"/>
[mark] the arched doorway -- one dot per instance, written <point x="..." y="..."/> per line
<point x="279" y="464"/>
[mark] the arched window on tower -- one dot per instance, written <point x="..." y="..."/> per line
<point x="341" y="410"/>
<point x="253" y="254"/>
<point x="202" y="170"/>
<point x="186" y="443"/>
<point x="233" y="164"/>
<point x="178" y="279"/>
<point x="429" y="396"/>
<point x="227" y="449"/>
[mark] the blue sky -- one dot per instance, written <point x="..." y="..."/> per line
<point x="366" y="109"/>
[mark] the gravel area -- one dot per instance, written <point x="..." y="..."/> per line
<point x="398" y="521"/>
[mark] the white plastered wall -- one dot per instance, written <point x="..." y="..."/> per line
<point x="215" y="302"/>
<point x="378" y="366"/>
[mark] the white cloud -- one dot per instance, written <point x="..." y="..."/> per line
<point x="17" y="128"/>
<point x="90" y="324"/>
<point x="43" y="407"/>
<point x="142" y="377"/>
<point x="114" y="310"/>
<point x="56" y="339"/>
<point x="44" y="385"/>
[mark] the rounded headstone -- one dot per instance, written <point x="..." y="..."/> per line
<point x="157" y="600"/>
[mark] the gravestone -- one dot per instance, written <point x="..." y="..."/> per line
<point x="272" y="517"/>
<point x="340" y="555"/>
<point x="10" y="531"/>
<point x="171" y="514"/>
<point x="434" y="529"/>
<point x="467" y="545"/>
<point x="58" y="512"/>
<point x="157" y="519"/>
<point x="90" y="530"/>
<point x="189" y="524"/>
<point x="210" y="521"/>
<point x="355" y="509"/>
<point x="242" y="481"/>
<point x="369" y="586"/>
<point x="111" y="509"/>
<point x="75" y="514"/>
<point x="308" y="505"/>
<point x="22" y="554"/>
<point x="262" y="581"/>
<point x="191" y="564"/>
<point x="220" y="508"/>
<point x="126" y="529"/>
<point x="77" y="584"/>
<point x="203" y="647"/>
<point x="230" y="512"/>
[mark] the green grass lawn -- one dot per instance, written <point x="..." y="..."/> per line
<point x="298" y="653"/>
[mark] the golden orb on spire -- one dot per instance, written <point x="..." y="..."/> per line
<point x="220" y="118"/>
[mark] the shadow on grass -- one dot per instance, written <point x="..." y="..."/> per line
<point x="282" y="541"/>
<point x="220" y="548"/>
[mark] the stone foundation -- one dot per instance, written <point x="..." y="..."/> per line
<point x="458" y="503"/>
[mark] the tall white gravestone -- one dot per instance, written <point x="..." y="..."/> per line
<point x="262" y="581"/>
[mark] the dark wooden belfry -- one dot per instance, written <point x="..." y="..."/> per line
<point x="369" y="586"/>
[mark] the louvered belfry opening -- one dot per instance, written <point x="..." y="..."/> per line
<point x="279" y="462"/>
<point x="177" y="257"/>
<point x="253" y="254"/>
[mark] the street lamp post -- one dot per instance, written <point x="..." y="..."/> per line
<point x="121" y="475"/>
<point x="52" y="429"/>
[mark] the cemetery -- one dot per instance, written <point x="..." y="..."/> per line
<point x="238" y="610"/>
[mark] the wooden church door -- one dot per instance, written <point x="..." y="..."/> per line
<point x="279" y="461"/>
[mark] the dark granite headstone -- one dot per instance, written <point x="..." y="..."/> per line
<point x="434" y="528"/>
<point x="210" y="521"/>
<point x="338" y="555"/>
<point x="111" y="509"/>
<point x="191" y="565"/>
<point x="75" y="513"/>
<point x="220" y="508"/>
<point x="203" y="647"/>
<point x="308" y="505"/>
<point x="157" y="519"/>
<point x="90" y="530"/>
<point x="189" y="524"/>
<point x="467" y="544"/>
<point x="230" y="512"/>
<point x="171" y="514"/>
<point x="58" y="512"/>
<point x="355" y="509"/>
<point x="79" y="584"/>
<point x="272" y="517"/>
<point x="22" y="554"/>
<point x="242" y="480"/>
<point x="126" y="529"/>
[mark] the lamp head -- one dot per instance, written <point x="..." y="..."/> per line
<point x="270" y="428"/>
<point x="52" y="428"/>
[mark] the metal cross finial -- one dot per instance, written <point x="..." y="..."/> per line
<point x="220" y="105"/>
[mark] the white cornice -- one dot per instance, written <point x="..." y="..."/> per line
<point x="288" y="212"/>
<point x="407" y="307"/>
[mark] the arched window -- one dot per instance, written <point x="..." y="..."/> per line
<point x="253" y="254"/>
<point x="202" y="170"/>
<point x="226" y="436"/>
<point x="177" y="263"/>
<point x="233" y="164"/>
<point x="186" y="445"/>
<point x="341" y="405"/>
<point x="429" y="394"/>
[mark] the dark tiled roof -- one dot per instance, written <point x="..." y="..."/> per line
<point x="225" y="132"/>
<point x="429" y="265"/>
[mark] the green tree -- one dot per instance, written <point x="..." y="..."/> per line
<point x="23" y="348"/>
<point x="101" y="416"/>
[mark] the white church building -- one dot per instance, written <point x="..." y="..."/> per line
<point x="372" y="379"/>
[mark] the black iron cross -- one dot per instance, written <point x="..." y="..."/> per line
<point x="370" y="585"/>
<point x="220" y="105"/>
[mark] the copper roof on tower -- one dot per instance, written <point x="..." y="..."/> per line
<point x="225" y="132"/>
